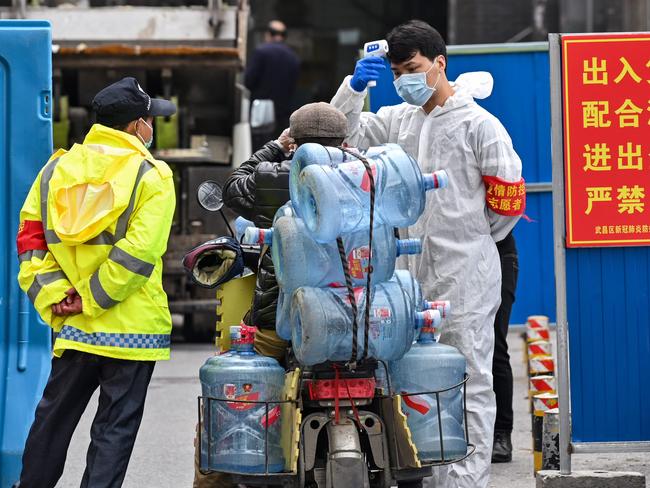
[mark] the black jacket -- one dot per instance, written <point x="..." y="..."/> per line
<point x="272" y="72"/>
<point x="256" y="190"/>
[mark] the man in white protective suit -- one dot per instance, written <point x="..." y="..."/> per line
<point x="442" y="127"/>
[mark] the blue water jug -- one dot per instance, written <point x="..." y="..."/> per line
<point x="241" y="224"/>
<point x="321" y="323"/>
<point x="412" y="288"/>
<point x="285" y="210"/>
<point x="237" y="429"/>
<point x="409" y="285"/>
<point x="283" y="316"/>
<point x="293" y="251"/>
<point x="311" y="153"/>
<point x="335" y="201"/>
<point x="431" y="366"/>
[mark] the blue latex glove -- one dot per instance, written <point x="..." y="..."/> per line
<point x="367" y="69"/>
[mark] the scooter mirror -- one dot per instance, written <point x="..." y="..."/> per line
<point x="209" y="196"/>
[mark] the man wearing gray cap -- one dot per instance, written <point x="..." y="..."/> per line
<point x="260" y="186"/>
<point x="256" y="190"/>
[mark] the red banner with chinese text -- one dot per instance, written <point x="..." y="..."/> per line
<point x="606" y="106"/>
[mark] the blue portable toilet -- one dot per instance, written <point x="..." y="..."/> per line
<point x="25" y="146"/>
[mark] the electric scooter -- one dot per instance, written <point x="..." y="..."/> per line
<point x="346" y="428"/>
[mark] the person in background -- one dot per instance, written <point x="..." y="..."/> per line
<point x="501" y="369"/>
<point x="93" y="230"/>
<point x="256" y="190"/>
<point x="442" y="127"/>
<point x="272" y="74"/>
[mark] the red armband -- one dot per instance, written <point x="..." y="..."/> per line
<point x="31" y="237"/>
<point x="505" y="197"/>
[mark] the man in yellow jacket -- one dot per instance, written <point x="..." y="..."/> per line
<point x="92" y="233"/>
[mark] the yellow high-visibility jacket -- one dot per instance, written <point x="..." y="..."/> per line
<point x="97" y="219"/>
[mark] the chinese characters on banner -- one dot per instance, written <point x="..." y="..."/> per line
<point x="606" y="92"/>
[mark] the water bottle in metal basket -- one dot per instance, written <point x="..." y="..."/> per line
<point x="431" y="366"/>
<point x="321" y="323"/>
<point x="237" y="434"/>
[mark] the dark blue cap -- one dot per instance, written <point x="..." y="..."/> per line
<point x="125" y="100"/>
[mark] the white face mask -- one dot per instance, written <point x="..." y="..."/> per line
<point x="413" y="88"/>
<point x="148" y="143"/>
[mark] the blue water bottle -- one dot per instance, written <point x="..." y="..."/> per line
<point x="431" y="366"/>
<point x="241" y="224"/>
<point x="285" y="210"/>
<point x="293" y="251"/>
<point x="240" y="433"/>
<point x="311" y="153"/>
<point x="283" y="315"/>
<point x="414" y="291"/>
<point x="334" y="201"/>
<point x="321" y="323"/>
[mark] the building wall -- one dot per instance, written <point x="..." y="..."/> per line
<point x="327" y="35"/>
<point x="482" y="21"/>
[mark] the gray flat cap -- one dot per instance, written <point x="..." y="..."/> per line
<point x="318" y="120"/>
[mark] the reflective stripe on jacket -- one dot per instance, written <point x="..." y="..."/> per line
<point x="97" y="219"/>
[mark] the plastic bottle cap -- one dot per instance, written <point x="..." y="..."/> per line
<point x="242" y="334"/>
<point x="442" y="306"/>
<point x="257" y="236"/>
<point x="408" y="246"/>
<point x="429" y="318"/>
<point x="437" y="179"/>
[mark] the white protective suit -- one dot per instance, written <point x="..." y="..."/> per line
<point x="459" y="260"/>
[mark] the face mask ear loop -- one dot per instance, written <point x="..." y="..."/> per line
<point x="437" y="79"/>
<point x="138" y="134"/>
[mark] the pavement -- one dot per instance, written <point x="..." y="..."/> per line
<point x="519" y="473"/>
<point x="163" y="454"/>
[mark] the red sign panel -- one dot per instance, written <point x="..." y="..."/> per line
<point x="606" y="91"/>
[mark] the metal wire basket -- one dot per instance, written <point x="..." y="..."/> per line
<point x="443" y="459"/>
<point x="205" y="417"/>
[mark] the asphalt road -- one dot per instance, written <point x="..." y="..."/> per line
<point x="163" y="455"/>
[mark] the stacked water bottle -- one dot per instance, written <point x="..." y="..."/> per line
<point x="240" y="429"/>
<point x="331" y="198"/>
<point x="323" y="257"/>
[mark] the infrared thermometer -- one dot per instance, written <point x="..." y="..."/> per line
<point x="375" y="48"/>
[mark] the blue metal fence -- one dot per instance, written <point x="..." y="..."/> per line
<point x="521" y="101"/>
<point x="607" y="304"/>
<point x="25" y="144"/>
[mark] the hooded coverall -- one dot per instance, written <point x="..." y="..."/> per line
<point x="459" y="227"/>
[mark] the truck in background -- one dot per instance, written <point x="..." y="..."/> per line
<point x="191" y="52"/>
